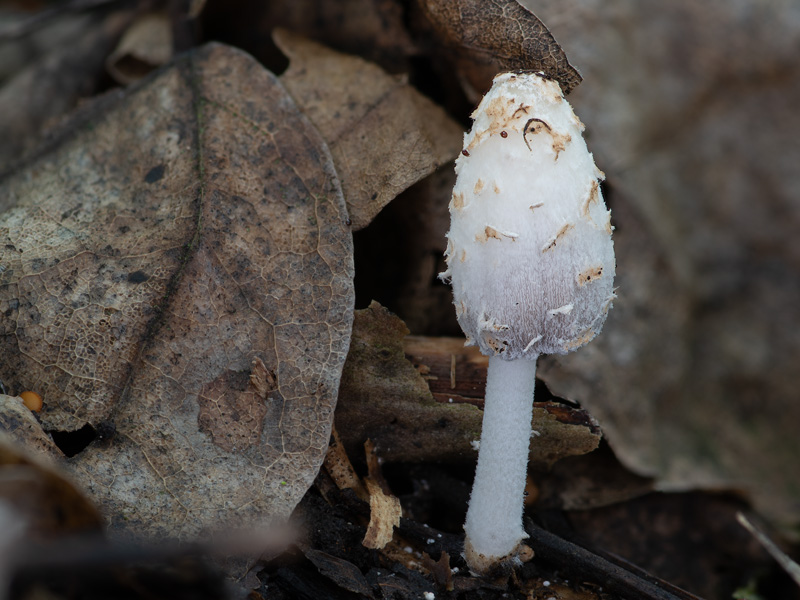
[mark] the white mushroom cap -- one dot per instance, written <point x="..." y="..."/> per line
<point x="529" y="254"/>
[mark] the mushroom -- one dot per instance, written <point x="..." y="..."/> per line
<point x="531" y="262"/>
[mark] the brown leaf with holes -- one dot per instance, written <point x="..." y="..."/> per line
<point x="497" y="36"/>
<point x="383" y="134"/>
<point x="181" y="233"/>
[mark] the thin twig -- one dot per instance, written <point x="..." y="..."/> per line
<point x="791" y="567"/>
<point x="583" y="565"/>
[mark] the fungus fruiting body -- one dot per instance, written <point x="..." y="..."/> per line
<point x="531" y="262"/>
<point x="32" y="401"/>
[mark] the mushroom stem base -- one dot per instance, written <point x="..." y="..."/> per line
<point x="494" y="519"/>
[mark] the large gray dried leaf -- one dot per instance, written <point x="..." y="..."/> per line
<point x="179" y="267"/>
<point x="694" y="379"/>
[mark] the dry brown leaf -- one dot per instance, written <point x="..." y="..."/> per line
<point x="344" y="573"/>
<point x="383" y="134"/>
<point x="372" y="29"/>
<point x="183" y="231"/>
<point x="497" y="36"/>
<point x="64" y="69"/>
<point x="145" y="46"/>
<point x="440" y="569"/>
<point x="20" y="426"/>
<point x="48" y="503"/>
<point x="384" y="515"/>
<point x="643" y="329"/>
<point x="456" y="373"/>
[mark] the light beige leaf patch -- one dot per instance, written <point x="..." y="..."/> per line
<point x="180" y="234"/>
<point x="383" y="134"/>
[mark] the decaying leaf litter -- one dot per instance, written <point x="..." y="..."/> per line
<point x="653" y="320"/>
<point x="135" y="298"/>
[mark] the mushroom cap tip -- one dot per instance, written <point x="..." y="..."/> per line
<point x="530" y="254"/>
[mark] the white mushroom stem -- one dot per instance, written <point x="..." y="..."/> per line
<point x="494" y="519"/>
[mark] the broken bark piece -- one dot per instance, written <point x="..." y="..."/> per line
<point x="384" y="516"/>
<point x="339" y="467"/>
